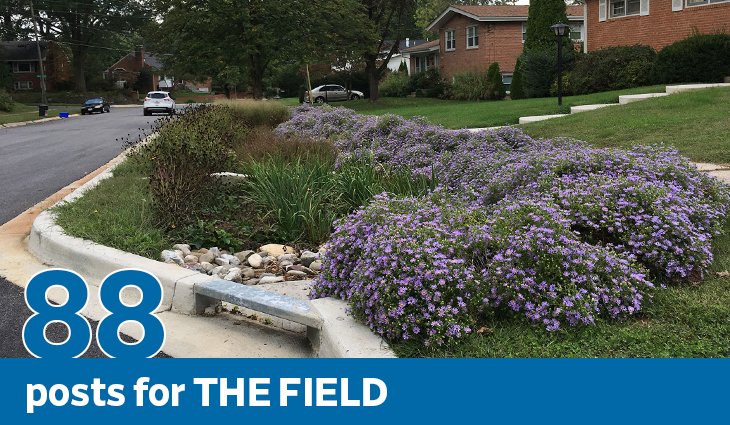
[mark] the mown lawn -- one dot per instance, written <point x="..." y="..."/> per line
<point x="469" y="114"/>
<point x="30" y="113"/>
<point x="696" y="123"/>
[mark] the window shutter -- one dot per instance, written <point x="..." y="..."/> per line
<point x="601" y="10"/>
<point x="677" y="5"/>
<point x="644" y="10"/>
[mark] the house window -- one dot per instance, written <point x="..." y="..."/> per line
<point x="524" y="32"/>
<point x="472" y="37"/>
<point x="701" y="2"/>
<point x="420" y="62"/>
<point x="576" y="32"/>
<point x="23" y="85"/>
<point x="21" y="67"/>
<point x="450" y="39"/>
<point x="507" y="80"/>
<point x="624" y="8"/>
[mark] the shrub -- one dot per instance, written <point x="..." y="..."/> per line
<point x="6" y="103"/>
<point x="470" y="85"/>
<point x="517" y="89"/>
<point x="540" y="69"/>
<point x="253" y="113"/>
<point x="699" y="58"/>
<point x="611" y="68"/>
<point x="497" y="91"/>
<point x="428" y="84"/>
<point x="395" y="85"/>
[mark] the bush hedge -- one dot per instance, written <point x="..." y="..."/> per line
<point x="610" y="68"/>
<point x="700" y="58"/>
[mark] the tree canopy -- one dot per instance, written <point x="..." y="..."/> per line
<point x="541" y="16"/>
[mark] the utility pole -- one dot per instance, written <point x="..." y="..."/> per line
<point x="44" y="100"/>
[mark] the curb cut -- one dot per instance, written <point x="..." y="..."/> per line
<point x="340" y="336"/>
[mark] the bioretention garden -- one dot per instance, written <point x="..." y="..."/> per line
<point x="583" y="236"/>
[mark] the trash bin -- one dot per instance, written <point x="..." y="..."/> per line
<point x="42" y="110"/>
<point x="63" y="114"/>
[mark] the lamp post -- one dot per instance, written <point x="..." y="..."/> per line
<point x="560" y="32"/>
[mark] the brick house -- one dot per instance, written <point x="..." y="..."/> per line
<point x="22" y="58"/>
<point x="127" y="69"/>
<point x="422" y="57"/>
<point x="472" y="37"/>
<point x="656" y="23"/>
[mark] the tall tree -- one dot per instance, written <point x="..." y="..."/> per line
<point x="541" y="16"/>
<point x="85" y="24"/>
<point x="14" y="20"/>
<point x="212" y="37"/>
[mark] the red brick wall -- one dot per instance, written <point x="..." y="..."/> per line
<point x="498" y="42"/>
<point x="658" y="29"/>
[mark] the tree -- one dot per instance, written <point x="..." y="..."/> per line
<point x="208" y="37"/>
<point x="497" y="90"/>
<point x="543" y="14"/>
<point x="85" y="24"/>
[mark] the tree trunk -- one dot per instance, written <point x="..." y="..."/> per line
<point x="373" y="79"/>
<point x="256" y="72"/>
<point x="79" y="61"/>
<point x="227" y="90"/>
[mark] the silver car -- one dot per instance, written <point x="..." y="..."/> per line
<point x="159" y="101"/>
<point x="332" y="93"/>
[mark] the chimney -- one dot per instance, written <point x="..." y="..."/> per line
<point x="407" y="42"/>
<point x="139" y="56"/>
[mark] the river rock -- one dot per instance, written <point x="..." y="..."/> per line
<point x="254" y="260"/>
<point x="308" y="257"/>
<point x="215" y="250"/>
<point x="207" y="266"/>
<point x="276" y="249"/>
<point x="248" y="272"/>
<point x="316" y="265"/>
<point x="221" y="261"/>
<point x="168" y="255"/>
<point x="208" y="257"/>
<point x="234" y="275"/>
<point x="296" y="273"/>
<point x="185" y="248"/>
<point x="271" y="279"/>
<point x="190" y="258"/>
<point x="243" y="255"/>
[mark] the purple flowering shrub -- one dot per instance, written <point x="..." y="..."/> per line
<point x="553" y="229"/>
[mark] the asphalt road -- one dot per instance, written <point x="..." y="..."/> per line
<point x="35" y="162"/>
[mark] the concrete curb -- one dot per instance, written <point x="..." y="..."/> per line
<point x="42" y="120"/>
<point x="340" y="335"/>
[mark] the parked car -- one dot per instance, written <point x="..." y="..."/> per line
<point x="332" y="93"/>
<point x="97" y="104"/>
<point x="159" y="101"/>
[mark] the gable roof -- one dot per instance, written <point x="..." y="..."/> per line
<point x="424" y="47"/>
<point x="495" y="14"/>
<point x="22" y="50"/>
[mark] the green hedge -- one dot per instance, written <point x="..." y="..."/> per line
<point x="700" y="58"/>
<point x="611" y="68"/>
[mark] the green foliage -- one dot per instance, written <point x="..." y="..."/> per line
<point x="700" y="58"/>
<point x="517" y="89"/>
<point x="205" y="234"/>
<point x="541" y="16"/>
<point x="540" y="69"/>
<point x="610" y="68"/>
<point x="427" y="84"/>
<point x="403" y="68"/>
<point x="396" y="84"/>
<point x="143" y="82"/>
<point x="6" y="103"/>
<point x="253" y="113"/>
<point x="479" y="85"/>
<point x="497" y="91"/>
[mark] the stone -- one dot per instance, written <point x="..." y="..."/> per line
<point x="203" y="250"/>
<point x="276" y="249"/>
<point x="296" y="273"/>
<point x="168" y="255"/>
<point x="308" y="257"/>
<point x="254" y="260"/>
<point x="252" y="281"/>
<point x="193" y="267"/>
<point x="190" y="258"/>
<point x="286" y="263"/>
<point x="210" y="311"/>
<point x="263" y="253"/>
<point x="179" y="253"/>
<point x="208" y="257"/>
<point x="232" y="259"/>
<point x="234" y="275"/>
<point x="224" y="271"/>
<point x="221" y="261"/>
<point x="307" y="270"/>
<point x="248" y="272"/>
<point x="207" y="266"/>
<point x="267" y="274"/>
<point x="217" y="252"/>
<point x="316" y="265"/>
<point x="215" y="270"/>
<point x="185" y="248"/>
<point x="323" y="249"/>
<point x="295" y="267"/>
<point x="243" y="255"/>
<point x="271" y="279"/>
<point x="288" y="257"/>
<point x="265" y="260"/>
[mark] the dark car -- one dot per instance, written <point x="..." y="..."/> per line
<point x="98" y="104"/>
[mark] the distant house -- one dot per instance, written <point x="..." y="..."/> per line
<point x="422" y="57"/>
<point x="656" y="23"/>
<point x="401" y="56"/>
<point x="22" y="58"/>
<point x="472" y="37"/>
<point x="126" y="70"/>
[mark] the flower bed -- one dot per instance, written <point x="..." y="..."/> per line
<point x="552" y="229"/>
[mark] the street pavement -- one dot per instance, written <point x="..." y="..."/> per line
<point x="36" y="161"/>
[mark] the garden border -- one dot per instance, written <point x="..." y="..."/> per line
<point x="339" y="336"/>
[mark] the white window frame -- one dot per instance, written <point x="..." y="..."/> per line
<point x="625" y="8"/>
<point x="579" y="31"/>
<point x="28" y="85"/>
<point x="703" y="3"/>
<point x="509" y="75"/>
<point x="472" y="40"/>
<point x="31" y="67"/>
<point x="524" y="32"/>
<point x="421" y="64"/>
<point x="450" y="38"/>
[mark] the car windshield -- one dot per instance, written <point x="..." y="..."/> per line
<point x="156" y="95"/>
<point x="93" y="101"/>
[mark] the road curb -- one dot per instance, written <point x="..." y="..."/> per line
<point x="42" y="120"/>
<point x="340" y="336"/>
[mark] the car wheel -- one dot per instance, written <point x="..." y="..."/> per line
<point x="146" y="113"/>
<point x="319" y="99"/>
<point x="101" y="111"/>
<point x="355" y="97"/>
<point x="83" y="112"/>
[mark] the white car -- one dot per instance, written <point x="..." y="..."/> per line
<point x="159" y="101"/>
<point x="331" y="93"/>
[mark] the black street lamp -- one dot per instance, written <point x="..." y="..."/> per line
<point x="560" y="32"/>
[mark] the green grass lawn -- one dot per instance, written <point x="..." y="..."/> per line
<point x="30" y="113"/>
<point x="289" y="101"/>
<point x="696" y="123"/>
<point x="470" y="114"/>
